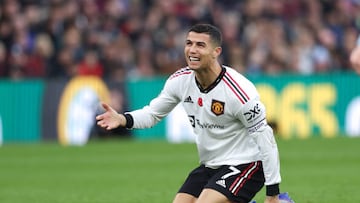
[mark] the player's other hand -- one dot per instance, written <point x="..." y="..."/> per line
<point x="110" y="119"/>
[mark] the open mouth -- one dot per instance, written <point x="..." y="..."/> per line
<point x="191" y="58"/>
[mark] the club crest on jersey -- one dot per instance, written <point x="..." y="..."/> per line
<point x="217" y="107"/>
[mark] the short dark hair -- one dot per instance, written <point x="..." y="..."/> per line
<point x="211" y="30"/>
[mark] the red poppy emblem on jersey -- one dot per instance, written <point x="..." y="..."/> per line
<point x="200" y="101"/>
<point x="217" y="107"/>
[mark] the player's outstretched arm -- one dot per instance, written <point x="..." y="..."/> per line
<point x="110" y="119"/>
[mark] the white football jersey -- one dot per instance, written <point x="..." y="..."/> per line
<point x="228" y="119"/>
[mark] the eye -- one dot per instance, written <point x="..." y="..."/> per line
<point x="201" y="44"/>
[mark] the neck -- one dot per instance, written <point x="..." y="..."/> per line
<point x="206" y="77"/>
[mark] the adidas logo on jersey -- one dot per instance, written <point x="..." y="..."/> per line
<point x="221" y="182"/>
<point x="188" y="100"/>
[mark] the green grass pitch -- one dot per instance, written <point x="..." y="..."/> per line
<point x="315" y="170"/>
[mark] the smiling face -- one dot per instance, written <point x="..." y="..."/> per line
<point x="200" y="51"/>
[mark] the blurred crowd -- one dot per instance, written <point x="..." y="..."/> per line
<point x="120" y="39"/>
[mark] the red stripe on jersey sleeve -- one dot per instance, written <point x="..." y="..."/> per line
<point x="183" y="71"/>
<point x="237" y="85"/>
<point x="233" y="90"/>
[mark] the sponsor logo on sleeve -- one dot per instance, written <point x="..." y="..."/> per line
<point x="257" y="126"/>
<point x="252" y="113"/>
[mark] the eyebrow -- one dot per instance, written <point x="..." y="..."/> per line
<point x="196" y="42"/>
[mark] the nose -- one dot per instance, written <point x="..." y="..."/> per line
<point x="192" y="49"/>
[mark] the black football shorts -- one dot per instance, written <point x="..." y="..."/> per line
<point x="238" y="183"/>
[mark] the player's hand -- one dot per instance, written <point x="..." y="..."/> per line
<point x="272" y="199"/>
<point x="110" y="119"/>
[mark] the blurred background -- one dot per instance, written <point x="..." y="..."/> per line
<point x="59" y="58"/>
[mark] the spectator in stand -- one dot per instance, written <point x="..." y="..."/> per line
<point x="90" y="65"/>
<point x="3" y="63"/>
<point x="264" y="28"/>
<point x="355" y="56"/>
<point x="64" y="65"/>
<point x="38" y="60"/>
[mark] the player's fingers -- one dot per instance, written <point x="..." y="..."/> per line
<point x="99" y="117"/>
<point x="102" y="124"/>
<point x="105" y="106"/>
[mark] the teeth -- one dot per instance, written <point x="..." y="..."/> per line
<point x="194" y="58"/>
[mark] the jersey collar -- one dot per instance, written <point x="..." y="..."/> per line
<point x="213" y="85"/>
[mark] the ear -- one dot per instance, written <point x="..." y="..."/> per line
<point x="217" y="51"/>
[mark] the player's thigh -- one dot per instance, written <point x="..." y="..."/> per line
<point x="184" y="198"/>
<point x="212" y="196"/>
